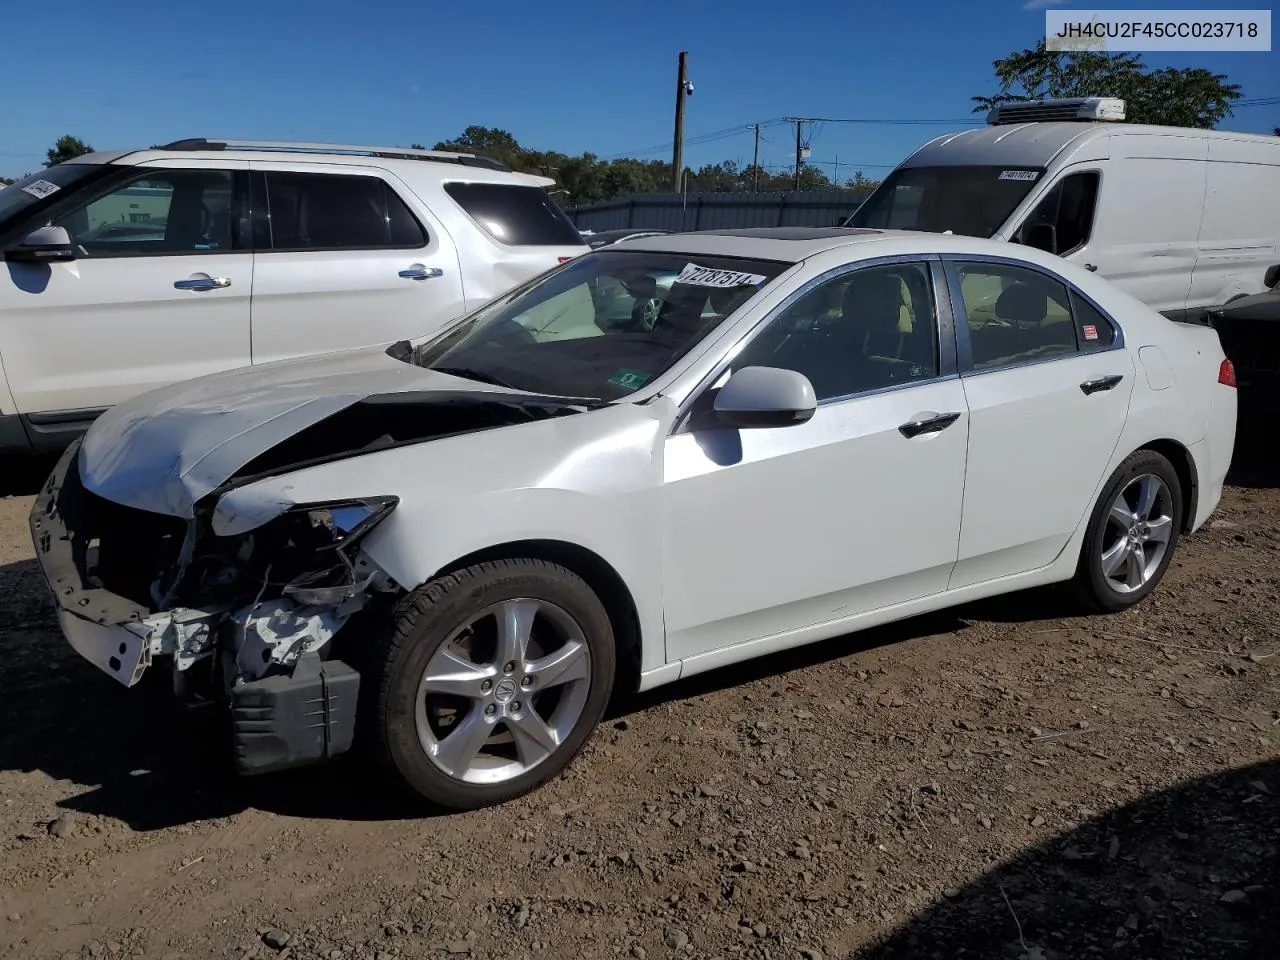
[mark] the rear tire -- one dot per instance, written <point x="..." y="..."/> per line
<point x="489" y="682"/>
<point x="1132" y="533"/>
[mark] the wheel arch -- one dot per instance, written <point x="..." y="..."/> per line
<point x="1184" y="465"/>
<point x="599" y="575"/>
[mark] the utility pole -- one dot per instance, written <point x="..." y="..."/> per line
<point x="798" y="149"/>
<point x="677" y="160"/>
<point x="835" y="174"/>
<point x="755" y="164"/>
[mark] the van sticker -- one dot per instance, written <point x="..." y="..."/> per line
<point x="1090" y="332"/>
<point x="629" y="379"/>
<point x="41" y="189"/>
<point x="1019" y="174"/>
<point x="697" y="276"/>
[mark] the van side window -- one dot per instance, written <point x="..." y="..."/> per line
<point x="1068" y="207"/>
<point x="1095" y="330"/>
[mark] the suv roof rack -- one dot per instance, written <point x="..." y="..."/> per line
<point x="391" y="153"/>
<point x="1070" y="108"/>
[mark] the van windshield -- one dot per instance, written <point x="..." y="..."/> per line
<point x="973" y="201"/>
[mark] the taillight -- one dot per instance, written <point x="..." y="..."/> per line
<point x="1227" y="374"/>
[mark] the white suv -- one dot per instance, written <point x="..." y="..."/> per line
<point x="127" y="270"/>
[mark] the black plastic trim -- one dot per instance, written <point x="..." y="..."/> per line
<point x="54" y="519"/>
<point x="13" y="436"/>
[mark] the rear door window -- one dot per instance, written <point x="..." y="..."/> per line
<point x="325" y="211"/>
<point x="516" y="215"/>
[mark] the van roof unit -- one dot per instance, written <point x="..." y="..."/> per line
<point x="1073" y="108"/>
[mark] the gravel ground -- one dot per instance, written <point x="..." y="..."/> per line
<point x="1008" y="780"/>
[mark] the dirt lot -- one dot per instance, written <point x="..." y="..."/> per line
<point x="1010" y="780"/>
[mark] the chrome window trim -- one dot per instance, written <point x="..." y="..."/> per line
<point x="943" y="312"/>
<point x="950" y="265"/>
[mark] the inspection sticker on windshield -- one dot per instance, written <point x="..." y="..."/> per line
<point x="1090" y="332"/>
<point x="629" y="379"/>
<point x="41" y="189"/>
<point x="1019" y="174"/>
<point x="697" y="276"/>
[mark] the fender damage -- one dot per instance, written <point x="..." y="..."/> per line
<point x="125" y="532"/>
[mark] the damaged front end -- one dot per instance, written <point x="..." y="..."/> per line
<point x="249" y="618"/>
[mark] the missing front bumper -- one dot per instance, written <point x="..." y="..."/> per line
<point x="302" y="713"/>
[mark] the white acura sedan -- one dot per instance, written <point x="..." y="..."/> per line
<point x="459" y="547"/>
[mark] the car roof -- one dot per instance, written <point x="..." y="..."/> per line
<point x="406" y="163"/>
<point x="794" y="244"/>
<point x="1038" y="143"/>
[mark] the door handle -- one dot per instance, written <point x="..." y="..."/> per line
<point x="203" y="283"/>
<point x="916" y="428"/>
<point x="1102" y="383"/>
<point x="1091" y="267"/>
<point x="419" y="272"/>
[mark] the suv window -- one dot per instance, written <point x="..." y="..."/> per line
<point x="865" y="330"/>
<point x="1014" y="314"/>
<point x="326" y="211"/>
<point x="1068" y="207"/>
<point x="516" y="215"/>
<point x="156" y="213"/>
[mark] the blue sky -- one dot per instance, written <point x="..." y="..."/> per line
<point x="572" y="76"/>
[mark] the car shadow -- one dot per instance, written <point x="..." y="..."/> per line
<point x="1190" y="872"/>
<point x="148" y="764"/>
<point x="23" y="475"/>
<point x="1255" y="461"/>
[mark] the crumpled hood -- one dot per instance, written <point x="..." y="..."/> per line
<point x="166" y="449"/>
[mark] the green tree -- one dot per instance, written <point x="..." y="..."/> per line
<point x="65" y="149"/>
<point x="5" y="181"/>
<point x="1187" y="97"/>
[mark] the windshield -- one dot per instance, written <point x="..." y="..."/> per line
<point x="973" y="201"/>
<point x="42" y="189"/>
<point x="601" y="326"/>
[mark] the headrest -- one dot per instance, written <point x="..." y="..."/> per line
<point x="1022" y="303"/>
<point x="874" y="298"/>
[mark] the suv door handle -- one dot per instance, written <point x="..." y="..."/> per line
<point x="419" y="272"/>
<point x="1102" y="383"/>
<point x="203" y="283"/>
<point x="915" y="428"/>
<point x="1091" y="267"/>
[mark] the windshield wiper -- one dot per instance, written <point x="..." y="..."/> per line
<point x="469" y="373"/>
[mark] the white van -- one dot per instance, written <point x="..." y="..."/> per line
<point x="1183" y="219"/>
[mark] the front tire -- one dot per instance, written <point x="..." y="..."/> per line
<point x="490" y="682"/>
<point x="1132" y="533"/>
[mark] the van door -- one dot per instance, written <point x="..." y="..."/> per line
<point x="1238" y="232"/>
<point x="1147" y="225"/>
<point x="1069" y="208"/>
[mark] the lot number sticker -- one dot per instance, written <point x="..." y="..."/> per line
<point x="697" y="276"/>
<point x="1019" y="174"/>
<point x="41" y="189"/>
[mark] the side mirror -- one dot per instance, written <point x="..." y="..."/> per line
<point x="1042" y="236"/>
<point x="765" y="397"/>
<point x="45" y="245"/>
<point x="1271" y="278"/>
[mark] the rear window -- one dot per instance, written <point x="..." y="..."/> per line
<point x="516" y="215"/>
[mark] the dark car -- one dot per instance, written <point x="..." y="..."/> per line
<point x="1249" y="328"/>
